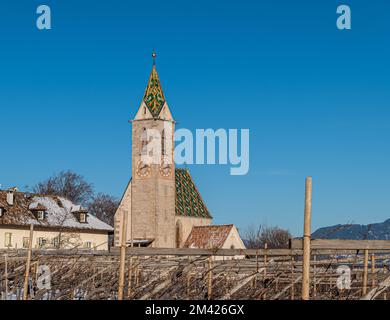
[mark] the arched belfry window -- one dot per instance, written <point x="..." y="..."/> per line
<point x="163" y="149"/>
<point x="144" y="142"/>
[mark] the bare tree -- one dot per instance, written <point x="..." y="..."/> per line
<point x="66" y="184"/>
<point x="104" y="206"/>
<point x="275" y="237"/>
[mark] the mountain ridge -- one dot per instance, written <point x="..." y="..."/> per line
<point x="373" y="231"/>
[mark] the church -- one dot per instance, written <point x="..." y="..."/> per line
<point x="161" y="206"/>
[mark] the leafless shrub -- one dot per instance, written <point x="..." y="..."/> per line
<point x="275" y="237"/>
<point x="104" y="206"/>
<point x="66" y="184"/>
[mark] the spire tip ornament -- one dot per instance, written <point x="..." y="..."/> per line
<point x="154" y="55"/>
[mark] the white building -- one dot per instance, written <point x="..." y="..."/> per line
<point x="58" y="223"/>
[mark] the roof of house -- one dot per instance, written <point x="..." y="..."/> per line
<point x="188" y="199"/>
<point x="208" y="237"/>
<point x="59" y="213"/>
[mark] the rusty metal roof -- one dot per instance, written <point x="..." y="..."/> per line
<point x="208" y="237"/>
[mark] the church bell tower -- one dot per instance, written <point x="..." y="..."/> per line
<point x="151" y="219"/>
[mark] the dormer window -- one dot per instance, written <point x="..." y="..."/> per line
<point x="38" y="210"/>
<point x="80" y="214"/>
<point x="40" y="215"/>
<point x="83" y="217"/>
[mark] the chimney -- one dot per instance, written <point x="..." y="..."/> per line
<point x="11" y="196"/>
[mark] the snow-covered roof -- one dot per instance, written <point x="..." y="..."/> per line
<point x="59" y="213"/>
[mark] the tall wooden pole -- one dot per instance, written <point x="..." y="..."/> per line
<point x="292" y="277"/>
<point x="373" y="270"/>
<point x="306" y="241"/>
<point x="315" y="278"/>
<point x="265" y="267"/>
<point x="265" y="260"/>
<point x="6" y="276"/>
<point x="28" y="263"/>
<point x="122" y="257"/>
<point x="210" y="280"/>
<point x="130" y="277"/>
<point x="365" y="273"/>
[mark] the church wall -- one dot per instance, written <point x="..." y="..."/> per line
<point x="186" y="224"/>
<point x="124" y="206"/>
<point x="233" y="241"/>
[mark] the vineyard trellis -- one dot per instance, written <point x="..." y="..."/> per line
<point x="195" y="274"/>
<point x="309" y="269"/>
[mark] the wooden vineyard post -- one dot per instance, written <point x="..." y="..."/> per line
<point x="365" y="273"/>
<point x="306" y="241"/>
<point x="265" y="260"/>
<point x="373" y="271"/>
<point x="315" y="278"/>
<point x="210" y="280"/>
<point x="28" y="263"/>
<point x="6" y="275"/>
<point x="257" y="266"/>
<point x="292" y="277"/>
<point x="122" y="257"/>
<point x="265" y="267"/>
<point x="384" y="271"/>
<point x="188" y="284"/>
<point x="130" y="277"/>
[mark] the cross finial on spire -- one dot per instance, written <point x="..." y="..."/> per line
<point x="154" y="55"/>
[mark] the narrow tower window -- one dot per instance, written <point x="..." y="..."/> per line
<point x="163" y="150"/>
<point x="144" y="142"/>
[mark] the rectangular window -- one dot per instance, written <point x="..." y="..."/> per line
<point x="40" y="215"/>
<point x="56" y="242"/>
<point x="1" y="212"/>
<point x="83" y="218"/>
<point x="8" y="239"/>
<point x="88" y="245"/>
<point x="26" y="242"/>
<point x="41" y="242"/>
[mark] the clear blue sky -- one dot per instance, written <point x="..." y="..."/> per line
<point x="316" y="99"/>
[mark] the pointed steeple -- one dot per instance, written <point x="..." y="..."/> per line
<point x="154" y="96"/>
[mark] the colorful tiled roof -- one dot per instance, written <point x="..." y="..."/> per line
<point x="208" y="237"/>
<point x="154" y="96"/>
<point x="188" y="199"/>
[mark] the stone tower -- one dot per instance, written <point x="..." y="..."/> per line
<point x="151" y="192"/>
